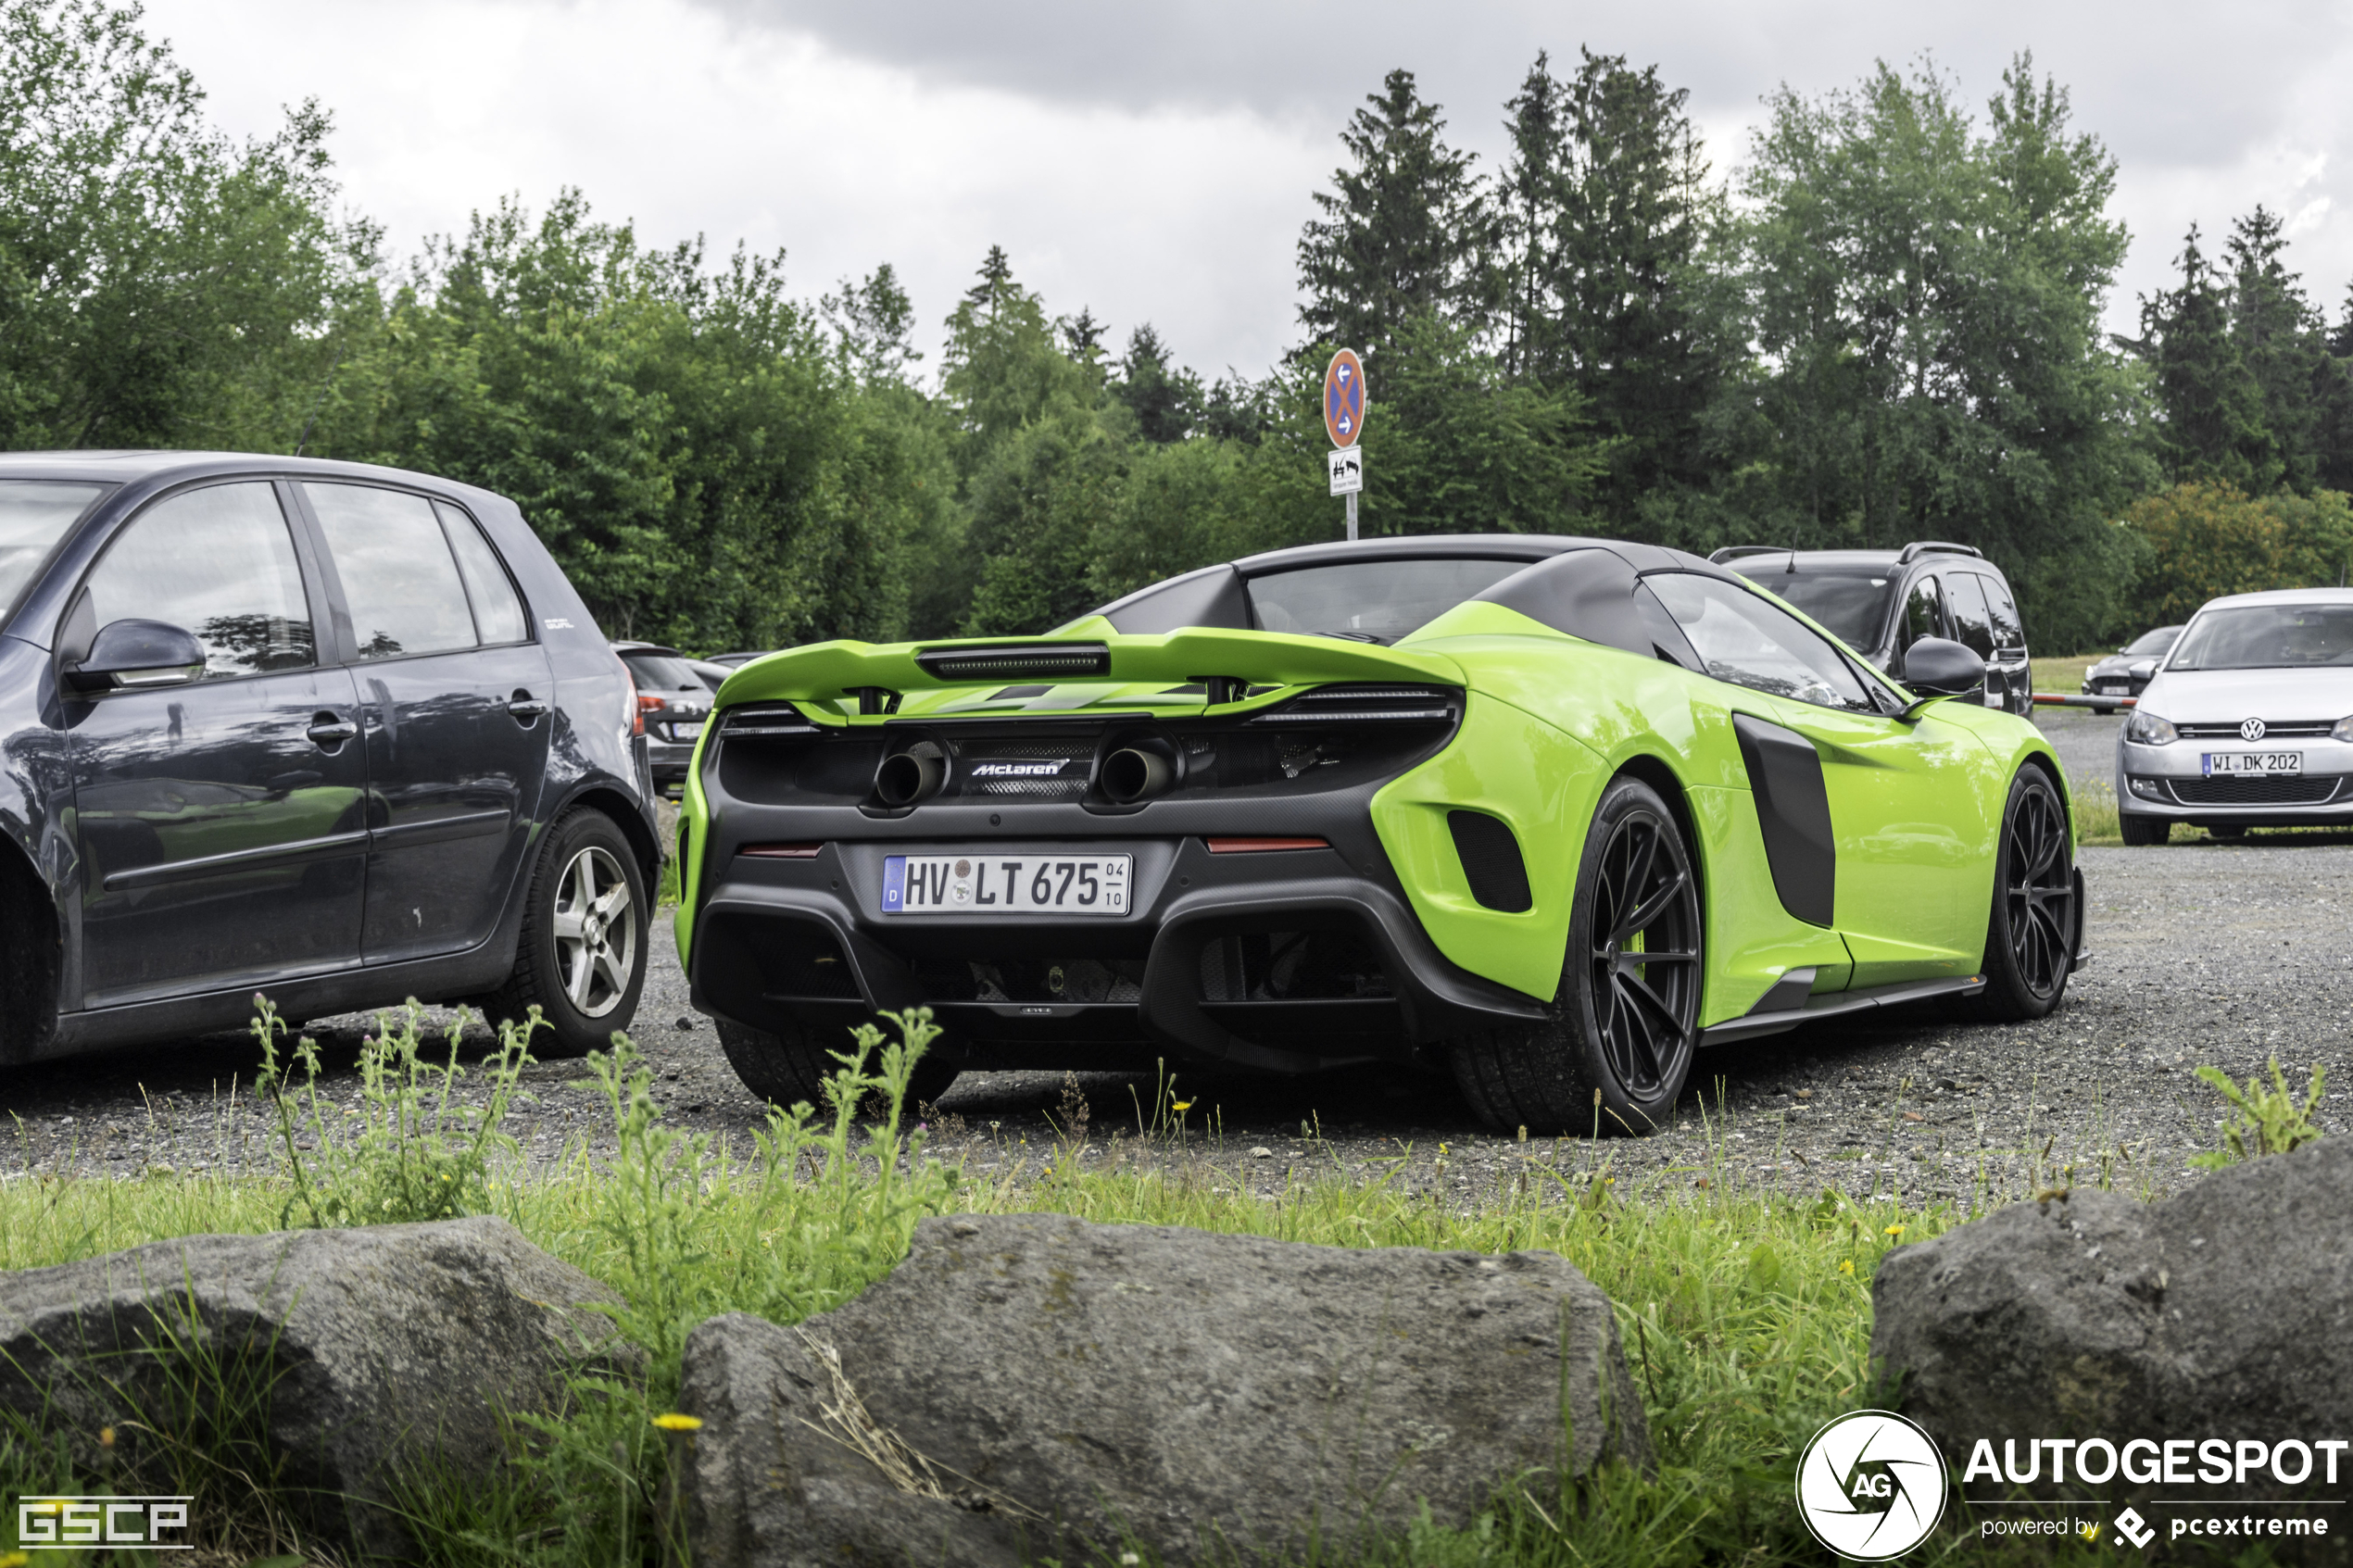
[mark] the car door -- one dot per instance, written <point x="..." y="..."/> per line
<point x="1973" y="629"/>
<point x="1883" y="816"/>
<point x="454" y="699"/>
<point x="220" y="823"/>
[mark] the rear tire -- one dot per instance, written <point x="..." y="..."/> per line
<point x="2141" y="831"/>
<point x="791" y="1066"/>
<point x="2031" y="935"/>
<point x="582" y="955"/>
<point x="1615" y="1053"/>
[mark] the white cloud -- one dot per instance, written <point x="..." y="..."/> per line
<point x="1156" y="164"/>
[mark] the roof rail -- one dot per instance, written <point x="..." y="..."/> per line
<point x="1919" y="547"/>
<point x="1733" y="552"/>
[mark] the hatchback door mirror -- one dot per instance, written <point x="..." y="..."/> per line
<point x="1938" y="667"/>
<point x="138" y="653"/>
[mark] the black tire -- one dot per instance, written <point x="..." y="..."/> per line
<point x="585" y="974"/>
<point x="1615" y="1053"/>
<point x="2030" y="934"/>
<point x="2141" y="831"/>
<point x="790" y="1067"/>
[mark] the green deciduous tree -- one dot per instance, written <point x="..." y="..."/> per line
<point x="159" y="283"/>
<point x="2203" y="538"/>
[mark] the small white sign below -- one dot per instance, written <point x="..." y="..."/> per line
<point x="1348" y="470"/>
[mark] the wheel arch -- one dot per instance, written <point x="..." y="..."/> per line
<point x="616" y="805"/>
<point x="1657" y="773"/>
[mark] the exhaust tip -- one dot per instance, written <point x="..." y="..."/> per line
<point x="906" y="779"/>
<point x="1131" y="774"/>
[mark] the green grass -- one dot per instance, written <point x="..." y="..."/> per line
<point x="1745" y="1315"/>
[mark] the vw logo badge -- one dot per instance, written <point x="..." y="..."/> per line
<point x="1870" y="1485"/>
<point x="2251" y="729"/>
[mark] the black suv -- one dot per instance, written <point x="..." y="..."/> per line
<point x="1880" y="602"/>
<point x="337" y="733"/>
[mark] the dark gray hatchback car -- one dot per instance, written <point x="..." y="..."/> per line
<point x="337" y="733"/>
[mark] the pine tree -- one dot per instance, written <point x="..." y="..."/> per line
<point x="2210" y="406"/>
<point x="2279" y="339"/>
<point x="1167" y="399"/>
<point x="1403" y="229"/>
<point x="1529" y="199"/>
<point x="1633" y="210"/>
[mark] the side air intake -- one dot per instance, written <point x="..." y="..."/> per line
<point x="1491" y="862"/>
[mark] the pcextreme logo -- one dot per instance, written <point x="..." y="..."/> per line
<point x="1870" y="1485"/>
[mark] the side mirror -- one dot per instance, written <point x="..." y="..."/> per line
<point x="127" y="654"/>
<point x="1936" y="667"/>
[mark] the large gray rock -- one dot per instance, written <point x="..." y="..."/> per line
<point x="2224" y="1312"/>
<point x="341" y="1357"/>
<point x="1034" y="1384"/>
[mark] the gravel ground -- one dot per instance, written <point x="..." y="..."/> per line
<point x="2203" y="954"/>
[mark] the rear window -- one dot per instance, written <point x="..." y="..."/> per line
<point x="1372" y="601"/>
<point x="1850" y="605"/>
<point x="662" y="673"/>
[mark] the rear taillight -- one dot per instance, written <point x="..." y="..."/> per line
<point x="635" y="713"/>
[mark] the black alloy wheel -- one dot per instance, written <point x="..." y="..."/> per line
<point x="2031" y="938"/>
<point x="1615" y="1054"/>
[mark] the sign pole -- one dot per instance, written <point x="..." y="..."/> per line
<point x="1344" y="406"/>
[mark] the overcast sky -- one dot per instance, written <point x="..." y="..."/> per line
<point x="1157" y="163"/>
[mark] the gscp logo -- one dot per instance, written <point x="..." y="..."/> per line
<point x="1870" y="1485"/>
<point x="110" y="1524"/>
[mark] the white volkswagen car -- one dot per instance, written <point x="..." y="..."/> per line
<point x="2248" y="723"/>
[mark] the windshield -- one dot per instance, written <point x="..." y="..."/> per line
<point x="1850" y="605"/>
<point x="34" y="514"/>
<point x="2268" y="637"/>
<point x="2154" y="642"/>
<point x="1374" y="600"/>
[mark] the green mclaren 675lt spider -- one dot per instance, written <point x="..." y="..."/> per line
<point x="1553" y="812"/>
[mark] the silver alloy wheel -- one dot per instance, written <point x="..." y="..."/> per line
<point x="595" y="932"/>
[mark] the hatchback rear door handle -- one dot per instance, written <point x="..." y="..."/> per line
<point x="330" y="732"/>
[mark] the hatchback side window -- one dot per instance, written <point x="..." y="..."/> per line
<point x="218" y="562"/>
<point x="1973" y="628"/>
<point x="398" y="575"/>
<point x="499" y="615"/>
<point x="1923" y="614"/>
<point x="2007" y="630"/>
<point x="1750" y="642"/>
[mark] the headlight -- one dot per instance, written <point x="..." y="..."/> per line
<point x="2146" y="729"/>
<point x="2343" y="729"/>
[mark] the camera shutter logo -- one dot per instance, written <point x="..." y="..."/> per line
<point x="2251" y="729"/>
<point x="1870" y="1485"/>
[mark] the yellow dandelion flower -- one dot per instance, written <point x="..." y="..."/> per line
<point x="105" y="1437"/>
<point x="1182" y="1104"/>
<point x="674" y="1421"/>
<point x="1895" y="1230"/>
<point x="1846" y="1265"/>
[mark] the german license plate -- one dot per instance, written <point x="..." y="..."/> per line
<point x="2266" y="762"/>
<point x="2113" y="688"/>
<point x="1005" y="884"/>
<point x="685" y="732"/>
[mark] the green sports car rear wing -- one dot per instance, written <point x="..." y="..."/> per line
<point x="1196" y="667"/>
